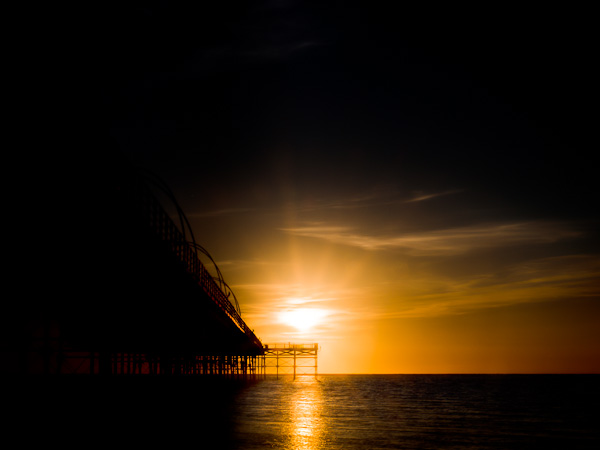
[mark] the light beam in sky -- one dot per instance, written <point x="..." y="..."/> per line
<point x="303" y="319"/>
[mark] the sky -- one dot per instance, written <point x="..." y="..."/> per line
<point x="418" y="182"/>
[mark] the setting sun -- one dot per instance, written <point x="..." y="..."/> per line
<point x="303" y="318"/>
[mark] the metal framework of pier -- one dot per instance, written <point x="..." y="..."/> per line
<point x="284" y="358"/>
<point x="50" y="356"/>
<point x="144" y="304"/>
<point x="139" y="301"/>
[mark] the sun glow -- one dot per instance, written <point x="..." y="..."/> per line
<point x="303" y="319"/>
<point x="306" y="425"/>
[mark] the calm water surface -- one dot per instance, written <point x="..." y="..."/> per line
<point x="333" y="412"/>
<point x="418" y="412"/>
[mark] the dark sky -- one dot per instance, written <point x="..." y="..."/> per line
<point x="346" y="95"/>
<point x="455" y="142"/>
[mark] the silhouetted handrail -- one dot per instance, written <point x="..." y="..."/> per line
<point x="289" y="346"/>
<point x="186" y="251"/>
<point x="219" y="278"/>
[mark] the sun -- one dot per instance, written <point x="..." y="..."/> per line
<point x="303" y="319"/>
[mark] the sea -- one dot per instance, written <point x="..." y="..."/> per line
<point x="328" y="412"/>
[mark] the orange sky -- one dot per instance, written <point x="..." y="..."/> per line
<point x="445" y="301"/>
<point x="424" y="182"/>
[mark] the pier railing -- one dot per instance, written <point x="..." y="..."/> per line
<point x="289" y="346"/>
<point x="164" y="228"/>
<point x="282" y="357"/>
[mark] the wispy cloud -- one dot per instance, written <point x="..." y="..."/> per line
<point x="295" y="301"/>
<point x="445" y="241"/>
<point x="279" y="50"/>
<point x="548" y="279"/>
<point x="419" y="197"/>
<point x="281" y="295"/>
<point x="261" y="302"/>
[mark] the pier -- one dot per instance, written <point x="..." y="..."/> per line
<point x="119" y="287"/>
<point x="295" y="357"/>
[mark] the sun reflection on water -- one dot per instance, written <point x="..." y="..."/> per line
<point x="306" y="427"/>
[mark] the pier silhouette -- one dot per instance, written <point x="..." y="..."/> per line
<point x="118" y="286"/>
